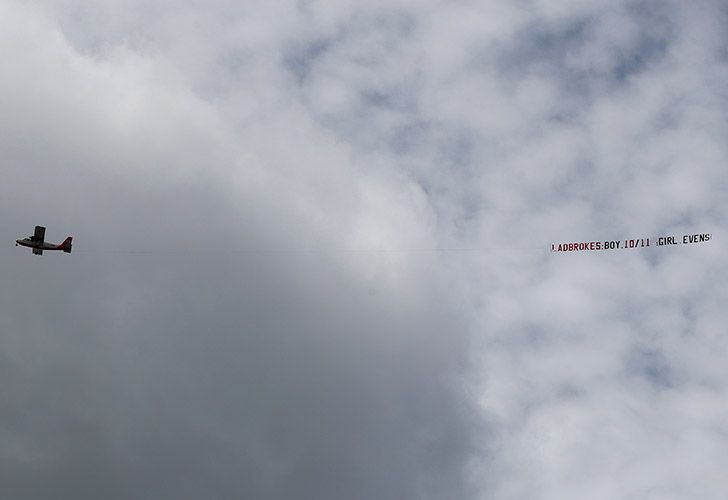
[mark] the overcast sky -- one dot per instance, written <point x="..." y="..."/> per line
<point x="311" y="250"/>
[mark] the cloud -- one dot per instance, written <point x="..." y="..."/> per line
<point x="261" y="302"/>
<point x="253" y="345"/>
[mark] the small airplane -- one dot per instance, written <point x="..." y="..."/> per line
<point x="38" y="244"/>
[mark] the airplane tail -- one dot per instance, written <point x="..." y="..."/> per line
<point x="66" y="245"/>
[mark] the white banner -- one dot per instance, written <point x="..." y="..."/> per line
<point x="628" y="244"/>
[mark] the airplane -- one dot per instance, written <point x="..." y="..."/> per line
<point x="38" y="244"/>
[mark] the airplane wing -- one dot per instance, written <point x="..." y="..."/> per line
<point x="39" y="234"/>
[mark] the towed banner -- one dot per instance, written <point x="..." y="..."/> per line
<point x="632" y="243"/>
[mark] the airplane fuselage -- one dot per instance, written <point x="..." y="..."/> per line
<point x="41" y="245"/>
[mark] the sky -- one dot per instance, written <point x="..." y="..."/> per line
<point x="311" y="249"/>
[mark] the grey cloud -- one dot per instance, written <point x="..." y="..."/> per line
<point x="223" y="358"/>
